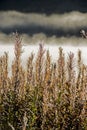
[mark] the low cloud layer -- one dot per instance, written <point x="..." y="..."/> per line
<point x="42" y="38"/>
<point x="65" y="21"/>
<point x="54" y="28"/>
<point x="32" y="23"/>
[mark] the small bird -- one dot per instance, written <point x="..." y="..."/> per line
<point x="83" y="33"/>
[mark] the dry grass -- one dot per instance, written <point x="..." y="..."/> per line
<point x="45" y="96"/>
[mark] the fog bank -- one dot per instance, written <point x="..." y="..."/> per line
<point x="32" y="23"/>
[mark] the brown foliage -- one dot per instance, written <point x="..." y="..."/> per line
<point x="45" y="96"/>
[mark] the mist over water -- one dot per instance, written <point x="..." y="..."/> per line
<point x="67" y="24"/>
<point x="54" y="31"/>
<point x="63" y="29"/>
<point x="41" y="37"/>
<point x="65" y="21"/>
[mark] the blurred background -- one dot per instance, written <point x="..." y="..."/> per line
<point x="52" y="21"/>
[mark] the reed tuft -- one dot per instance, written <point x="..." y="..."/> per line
<point x="45" y="95"/>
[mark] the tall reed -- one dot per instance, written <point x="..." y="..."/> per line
<point x="46" y="95"/>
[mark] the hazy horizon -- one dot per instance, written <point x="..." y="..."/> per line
<point x="34" y="27"/>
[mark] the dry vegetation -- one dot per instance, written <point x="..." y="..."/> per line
<point x="45" y="96"/>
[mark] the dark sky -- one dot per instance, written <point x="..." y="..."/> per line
<point x="44" y="6"/>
